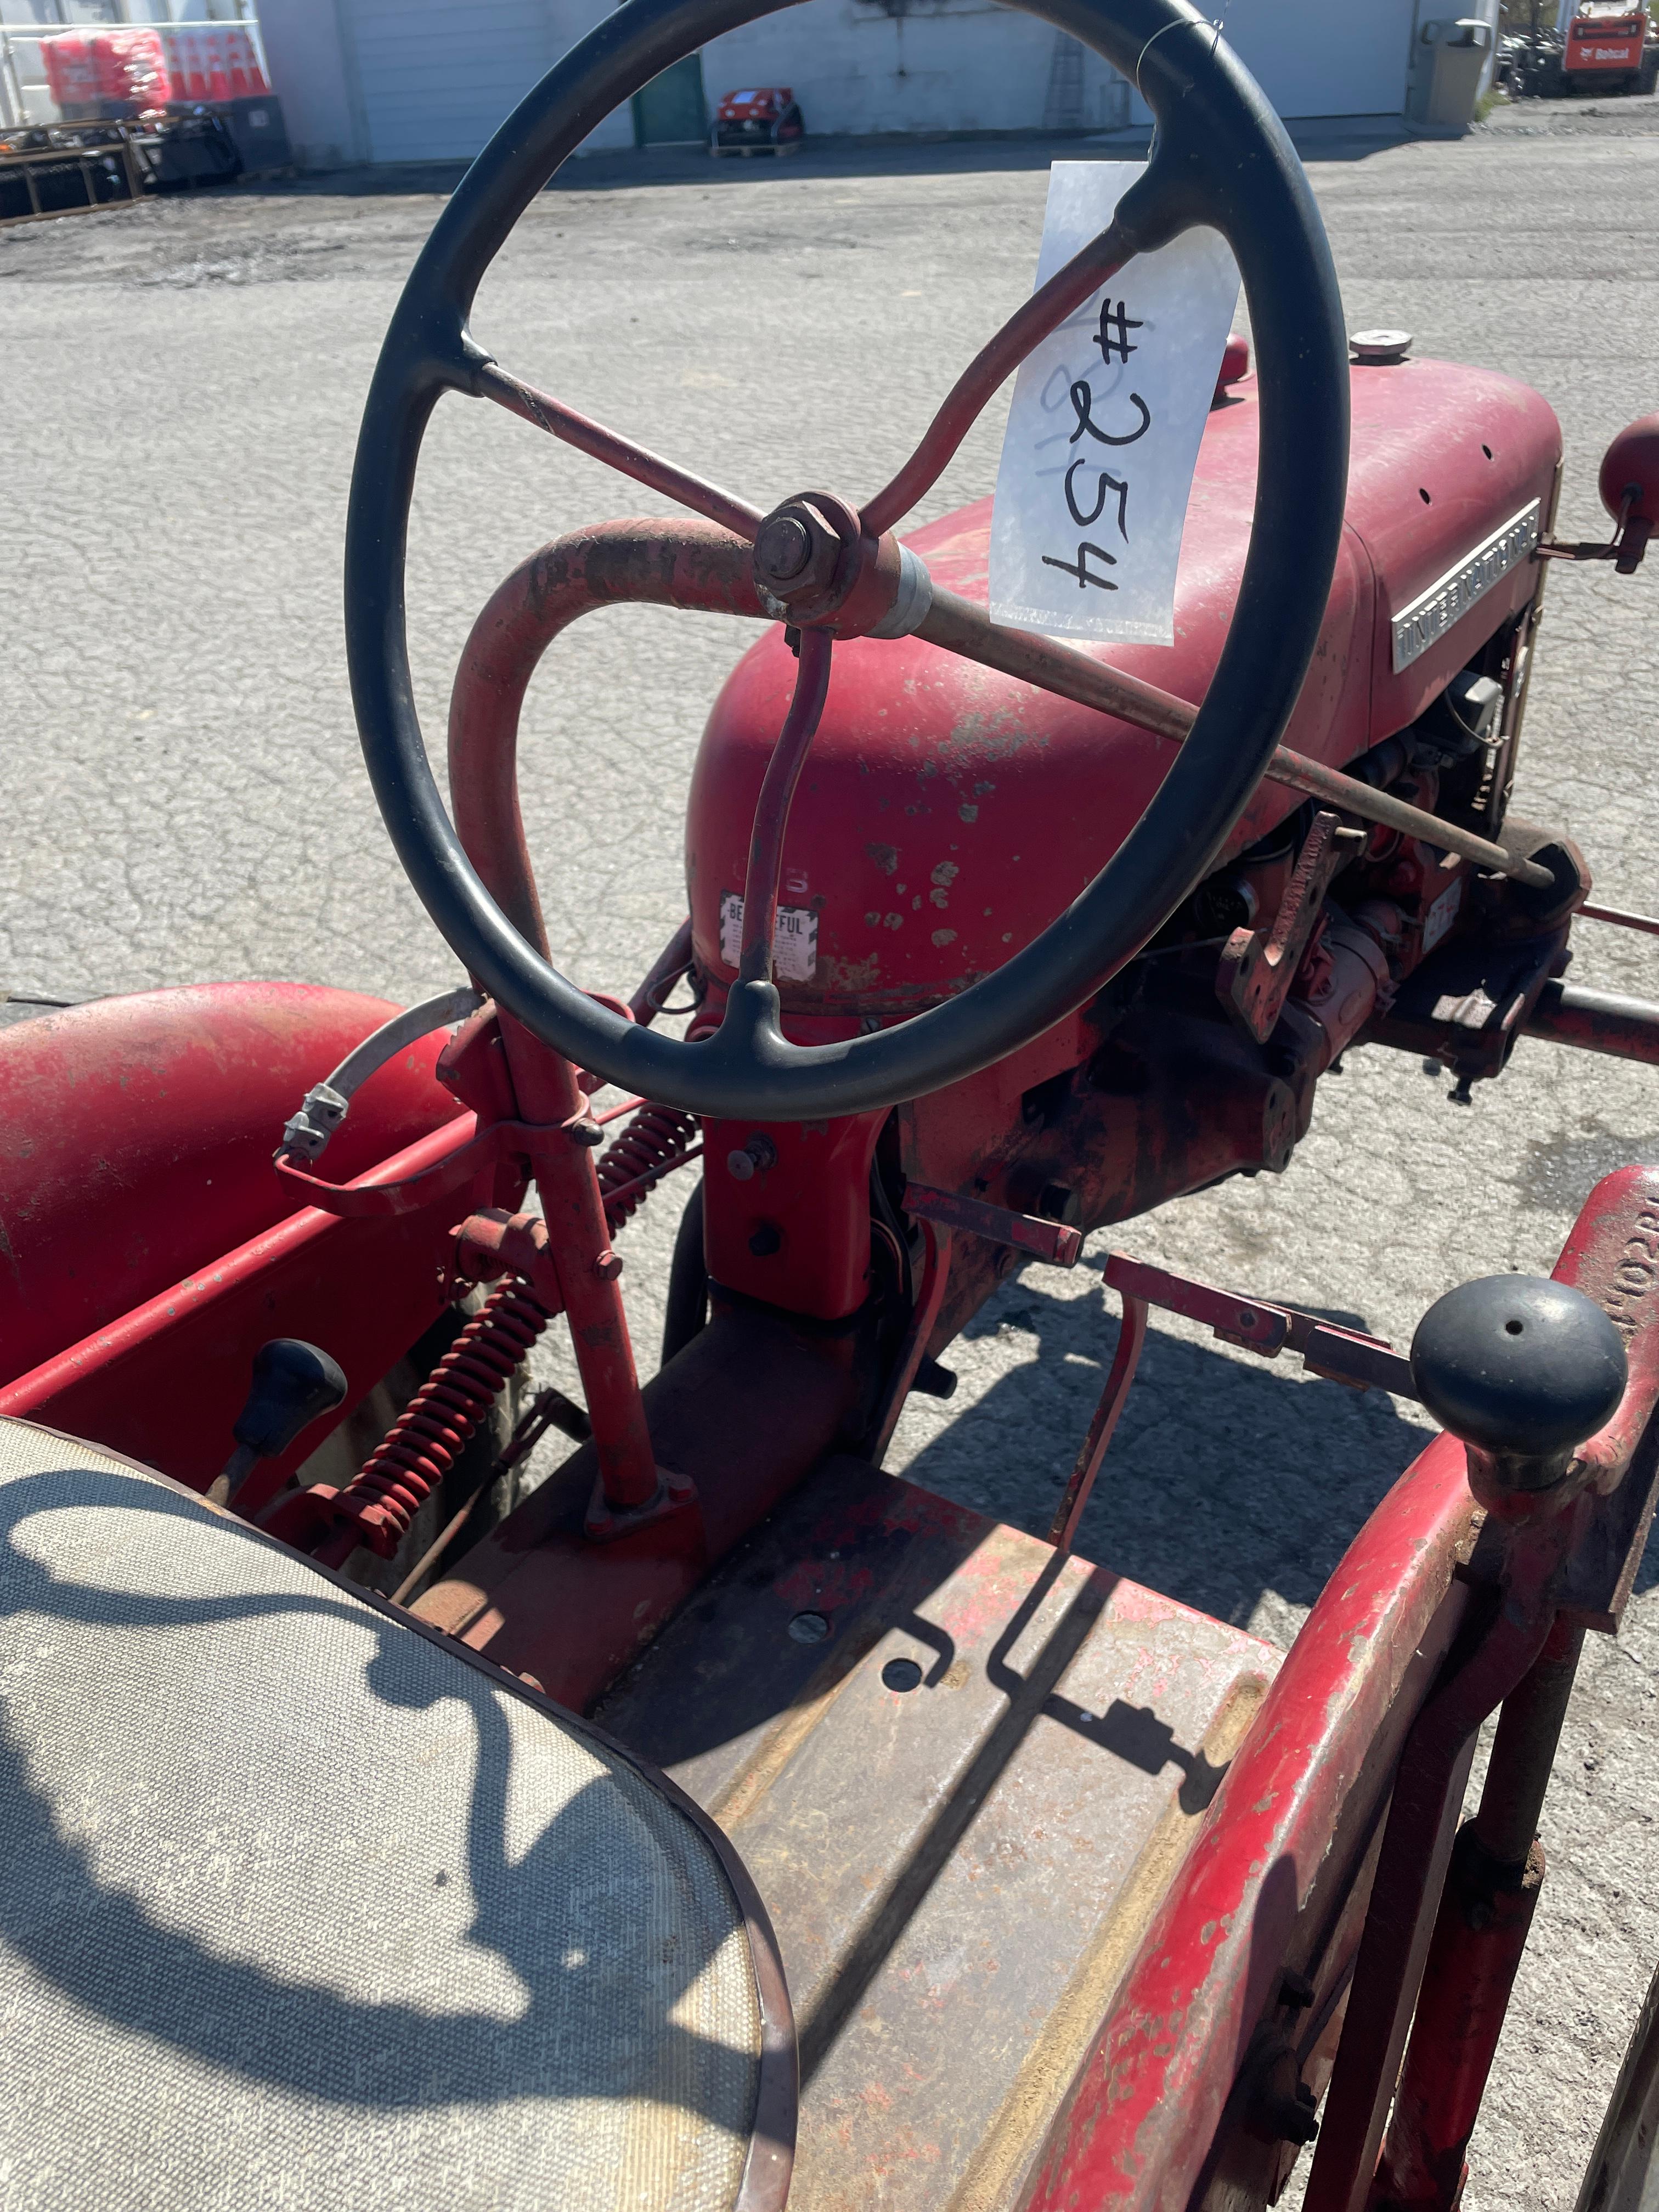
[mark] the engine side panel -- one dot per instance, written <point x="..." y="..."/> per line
<point x="1445" y="460"/>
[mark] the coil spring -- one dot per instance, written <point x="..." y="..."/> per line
<point x="429" y="1435"/>
<point x="383" y="1498"/>
<point x="656" y="1133"/>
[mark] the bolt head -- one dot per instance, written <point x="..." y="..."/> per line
<point x="739" y="1166"/>
<point x="608" y="1266"/>
<point x="783" y="548"/>
<point x="798" y="557"/>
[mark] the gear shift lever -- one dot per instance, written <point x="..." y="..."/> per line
<point x="294" y="1383"/>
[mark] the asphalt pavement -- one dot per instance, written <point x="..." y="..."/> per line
<point x="181" y="385"/>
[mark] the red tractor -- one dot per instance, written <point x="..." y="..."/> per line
<point x="727" y="1808"/>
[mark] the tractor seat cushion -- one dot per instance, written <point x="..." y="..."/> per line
<point x="303" y="1907"/>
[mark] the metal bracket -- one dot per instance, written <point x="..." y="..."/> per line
<point x="1258" y="966"/>
<point x="1054" y="1242"/>
<point x="326" y="1105"/>
<point x="604" y="1522"/>
<point x="1341" y="1355"/>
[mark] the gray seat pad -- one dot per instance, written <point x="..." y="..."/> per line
<point x="301" y="1908"/>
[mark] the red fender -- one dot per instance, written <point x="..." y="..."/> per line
<point x="146" y="1246"/>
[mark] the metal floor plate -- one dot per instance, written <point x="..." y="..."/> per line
<point x="962" y="1773"/>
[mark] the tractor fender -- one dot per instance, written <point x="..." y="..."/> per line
<point x="137" y="1136"/>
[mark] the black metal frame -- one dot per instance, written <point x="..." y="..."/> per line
<point x="1221" y="157"/>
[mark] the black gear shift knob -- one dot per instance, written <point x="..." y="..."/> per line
<point x="294" y="1383"/>
<point x="1522" y="1368"/>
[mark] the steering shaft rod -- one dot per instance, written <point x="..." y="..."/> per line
<point x="960" y="627"/>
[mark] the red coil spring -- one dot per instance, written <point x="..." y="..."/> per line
<point x="424" y="1443"/>
<point x="382" y="1499"/>
<point x="656" y="1133"/>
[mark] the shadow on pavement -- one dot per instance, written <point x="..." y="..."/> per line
<point x="1321" y="138"/>
<point x="1228" y="1479"/>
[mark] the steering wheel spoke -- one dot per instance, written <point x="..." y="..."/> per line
<point x="800" y="725"/>
<point x="1023" y="331"/>
<point x="959" y="626"/>
<point x="628" y="457"/>
<point x="1154" y="209"/>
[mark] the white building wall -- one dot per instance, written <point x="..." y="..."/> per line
<point x="1326" y="57"/>
<point x="415" y="80"/>
<point x="943" y="65"/>
<point x="430" y="80"/>
<point x="307" y="62"/>
<point x="971" y="65"/>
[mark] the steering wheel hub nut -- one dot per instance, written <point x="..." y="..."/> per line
<point x="783" y="550"/>
<point x="818" y="568"/>
<point x="806" y="559"/>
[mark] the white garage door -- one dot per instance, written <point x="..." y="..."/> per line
<point x="1326" y="57"/>
<point x="436" y="76"/>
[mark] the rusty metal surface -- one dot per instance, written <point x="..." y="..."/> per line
<point x="579" y="1244"/>
<point x="1342" y="1355"/>
<point x="1503" y="1641"/>
<point x="961" y="1771"/>
<point x="963" y="628"/>
<point x="1597" y="1021"/>
<point x="1471" y="1001"/>
<point x="1644" y="924"/>
<point x="1103" y="1422"/>
<point x="1286" y="1839"/>
<point x="382" y="1503"/>
<point x="1030" y="322"/>
<point x="1258" y="966"/>
<point x="1029" y="1233"/>
<point x="777" y="792"/>
<point x="1485" y="1912"/>
<point x="1613" y="1256"/>
<point x="685" y="565"/>
<point x="930" y="760"/>
<point x="1523" y="1572"/>
<point x="628" y="459"/>
<point x="537" y="1596"/>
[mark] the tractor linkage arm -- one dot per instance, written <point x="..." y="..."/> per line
<point x="1341" y="1355"/>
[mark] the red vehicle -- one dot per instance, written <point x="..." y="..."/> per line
<point x="727" y="1820"/>
<point x="763" y="119"/>
<point x="1610" y="48"/>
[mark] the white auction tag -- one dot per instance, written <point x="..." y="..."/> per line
<point x="1104" y="432"/>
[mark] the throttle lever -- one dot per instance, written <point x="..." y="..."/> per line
<point x="293" y="1384"/>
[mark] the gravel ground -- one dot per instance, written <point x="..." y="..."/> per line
<point x="182" y="385"/>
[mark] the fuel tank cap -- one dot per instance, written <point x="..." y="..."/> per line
<point x="1377" y="349"/>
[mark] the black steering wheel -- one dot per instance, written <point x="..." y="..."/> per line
<point x="1220" y="157"/>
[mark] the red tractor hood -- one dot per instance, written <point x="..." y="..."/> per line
<point x="947" y="814"/>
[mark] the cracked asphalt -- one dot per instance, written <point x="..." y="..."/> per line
<point x="185" y="799"/>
